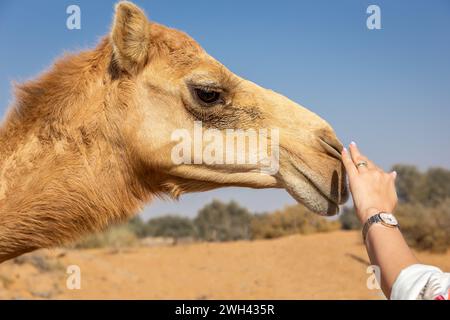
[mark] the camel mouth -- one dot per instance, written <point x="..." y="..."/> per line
<point x="305" y="189"/>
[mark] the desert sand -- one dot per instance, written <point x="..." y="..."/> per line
<point x="318" y="266"/>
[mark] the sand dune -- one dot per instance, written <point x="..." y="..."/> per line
<point x="319" y="266"/>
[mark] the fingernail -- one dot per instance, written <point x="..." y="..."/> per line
<point x="344" y="150"/>
<point x="394" y="173"/>
<point x="353" y="143"/>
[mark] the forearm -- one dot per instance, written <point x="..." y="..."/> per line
<point x="387" y="249"/>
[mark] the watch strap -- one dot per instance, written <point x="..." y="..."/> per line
<point x="374" y="220"/>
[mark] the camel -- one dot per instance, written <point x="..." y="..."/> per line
<point x="88" y="143"/>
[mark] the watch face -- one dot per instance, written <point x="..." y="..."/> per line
<point x="389" y="219"/>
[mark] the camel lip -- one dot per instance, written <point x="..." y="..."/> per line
<point x="328" y="207"/>
<point x="312" y="182"/>
<point x="316" y="187"/>
<point x="250" y="178"/>
<point x="331" y="150"/>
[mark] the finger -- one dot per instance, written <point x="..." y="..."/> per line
<point x="348" y="163"/>
<point x="394" y="175"/>
<point x="362" y="158"/>
<point x="355" y="153"/>
<point x="358" y="158"/>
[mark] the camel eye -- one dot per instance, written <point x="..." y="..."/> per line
<point x="208" y="96"/>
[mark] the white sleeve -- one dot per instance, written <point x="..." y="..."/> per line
<point x="421" y="282"/>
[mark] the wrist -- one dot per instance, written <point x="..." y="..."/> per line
<point x="368" y="213"/>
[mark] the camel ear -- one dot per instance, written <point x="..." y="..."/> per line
<point x="130" y="36"/>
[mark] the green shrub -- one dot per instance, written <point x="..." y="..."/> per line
<point x="218" y="221"/>
<point x="291" y="220"/>
<point x="40" y="262"/>
<point x="170" y="226"/>
<point x="116" y="237"/>
<point x="138" y="226"/>
<point x="427" y="188"/>
<point x="426" y="228"/>
<point x="349" y="219"/>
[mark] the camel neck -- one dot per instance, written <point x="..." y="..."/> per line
<point x="51" y="192"/>
<point x="61" y="172"/>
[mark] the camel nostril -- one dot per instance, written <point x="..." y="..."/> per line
<point x="331" y="147"/>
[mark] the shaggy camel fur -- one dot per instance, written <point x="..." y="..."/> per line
<point x="86" y="144"/>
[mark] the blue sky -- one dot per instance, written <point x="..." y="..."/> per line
<point x="387" y="89"/>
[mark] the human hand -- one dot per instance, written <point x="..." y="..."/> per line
<point x="373" y="190"/>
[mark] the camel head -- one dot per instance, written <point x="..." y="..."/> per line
<point x="173" y="89"/>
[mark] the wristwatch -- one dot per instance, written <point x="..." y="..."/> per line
<point x="385" y="218"/>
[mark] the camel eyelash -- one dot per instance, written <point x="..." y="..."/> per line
<point x="207" y="88"/>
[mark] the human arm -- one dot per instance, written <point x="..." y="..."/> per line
<point x="373" y="191"/>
